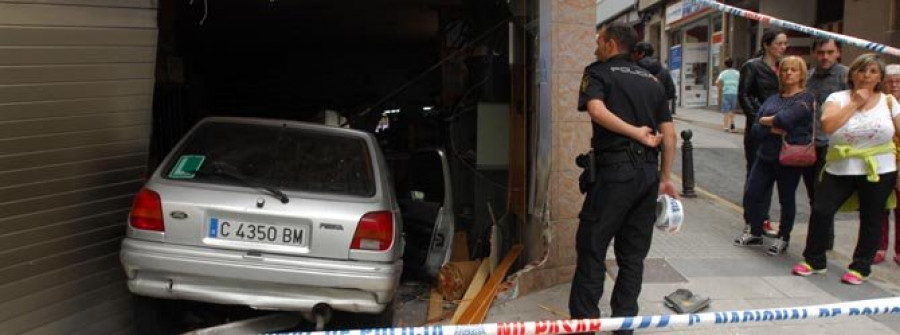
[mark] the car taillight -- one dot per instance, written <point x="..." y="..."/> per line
<point x="375" y="231"/>
<point x="146" y="212"/>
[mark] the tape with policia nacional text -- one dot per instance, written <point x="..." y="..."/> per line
<point x="711" y="319"/>
<point x="849" y="40"/>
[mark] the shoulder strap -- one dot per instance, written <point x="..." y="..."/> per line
<point x="888" y="99"/>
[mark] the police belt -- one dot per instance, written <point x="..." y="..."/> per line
<point x="634" y="155"/>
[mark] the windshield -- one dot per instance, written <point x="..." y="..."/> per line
<point x="286" y="158"/>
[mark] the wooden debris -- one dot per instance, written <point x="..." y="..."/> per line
<point x="477" y="310"/>
<point x="474" y="287"/>
<point x="455" y="277"/>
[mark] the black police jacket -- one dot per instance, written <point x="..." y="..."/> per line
<point x="758" y="82"/>
<point x="628" y="91"/>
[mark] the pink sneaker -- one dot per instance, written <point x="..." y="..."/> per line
<point x="879" y="256"/>
<point x="897" y="259"/>
<point x="853" y="278"/>
<point x="803" y="269"/>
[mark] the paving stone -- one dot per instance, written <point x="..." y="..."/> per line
<point x="752" y="265"/>
<point x="795" y="287"/>
<point x="656" y="270"/>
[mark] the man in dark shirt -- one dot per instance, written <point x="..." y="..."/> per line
<point x="627" y="107"/>
<point x="643" y="56"/>
<point x="827" y="77"/>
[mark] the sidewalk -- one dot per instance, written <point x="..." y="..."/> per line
<point x="702" y="258"/>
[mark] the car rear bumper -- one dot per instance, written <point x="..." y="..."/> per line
<point x="265" y="282"/>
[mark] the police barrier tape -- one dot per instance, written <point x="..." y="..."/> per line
<point x="731" y="318"/>
<point x="858" y="42"/>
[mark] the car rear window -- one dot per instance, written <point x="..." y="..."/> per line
<point x="286" y="158"/>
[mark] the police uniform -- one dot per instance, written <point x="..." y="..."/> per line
<point x="621" y="202"/>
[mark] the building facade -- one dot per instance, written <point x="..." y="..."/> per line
<point x="694" y="40"/>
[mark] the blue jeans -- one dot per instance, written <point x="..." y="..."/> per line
<point x="763" y="174"/>
<point x="729" y="103"/>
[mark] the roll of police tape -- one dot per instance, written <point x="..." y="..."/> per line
<point x="669" y="213"/>
<point x="712" y="319"/>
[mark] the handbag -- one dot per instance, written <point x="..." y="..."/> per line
<point x="799" y="155"/>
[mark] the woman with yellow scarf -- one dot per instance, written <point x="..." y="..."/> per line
<point x="861" y="162"/>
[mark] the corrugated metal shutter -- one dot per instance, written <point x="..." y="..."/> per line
<point x="76" y="86"/>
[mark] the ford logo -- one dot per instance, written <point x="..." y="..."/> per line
<point x="178" y="215"/>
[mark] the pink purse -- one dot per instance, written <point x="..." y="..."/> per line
<point x="799" y="155"/>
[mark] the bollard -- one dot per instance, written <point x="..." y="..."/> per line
<point x="687" y="165"/>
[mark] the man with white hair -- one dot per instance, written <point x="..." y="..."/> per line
<point x="892" y="87"/>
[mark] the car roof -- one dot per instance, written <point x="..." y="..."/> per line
<point x="286" y="123"/>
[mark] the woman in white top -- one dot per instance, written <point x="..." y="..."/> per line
<point x="861" y="162"/>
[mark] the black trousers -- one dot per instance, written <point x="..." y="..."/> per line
<point x="810" y="176"/>
<point x="751" y="146"/>
<point x="831" y="193"/>
<point x="620" y="206"/>
<point x="766" y="173"/>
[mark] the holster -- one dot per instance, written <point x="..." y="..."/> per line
<point x="588" y="162"/>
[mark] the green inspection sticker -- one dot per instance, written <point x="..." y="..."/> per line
<point x="187" y="166"/>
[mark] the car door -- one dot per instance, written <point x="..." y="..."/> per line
<point x="426" y="201"/>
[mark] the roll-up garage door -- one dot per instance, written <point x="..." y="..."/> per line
<point x="76" y="87"/>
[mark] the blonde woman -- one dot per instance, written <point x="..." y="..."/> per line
<point x="860" y="123"/>
<point x="790" y="114"/>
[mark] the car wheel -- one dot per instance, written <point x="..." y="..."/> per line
<point x="151" y="316"/>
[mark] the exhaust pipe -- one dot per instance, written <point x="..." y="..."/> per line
<point x="322" y="314"/>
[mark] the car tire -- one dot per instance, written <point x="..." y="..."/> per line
<point x="152" y="317"/>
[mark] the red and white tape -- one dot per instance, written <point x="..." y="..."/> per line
<point x="730" y="318"/>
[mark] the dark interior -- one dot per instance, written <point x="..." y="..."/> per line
<point x="410" y="71"/>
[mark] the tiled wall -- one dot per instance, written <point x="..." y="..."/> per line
<point x="573" y="43"/>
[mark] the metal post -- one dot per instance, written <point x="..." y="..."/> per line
<point x="687" y="165"/>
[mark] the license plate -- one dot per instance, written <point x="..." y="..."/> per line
<point x="257" y="232"/>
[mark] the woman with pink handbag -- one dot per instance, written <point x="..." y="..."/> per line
<point x="860" y="165"/>
<point x="785" y="121"/>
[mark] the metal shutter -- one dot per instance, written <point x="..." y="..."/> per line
<point x="76" y="86"/>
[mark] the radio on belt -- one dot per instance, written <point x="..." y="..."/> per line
<point x="669" y="214"/>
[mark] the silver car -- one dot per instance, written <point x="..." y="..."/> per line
<point x="275" y="215"/>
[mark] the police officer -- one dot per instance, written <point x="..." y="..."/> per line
<point x="627" y="106"/>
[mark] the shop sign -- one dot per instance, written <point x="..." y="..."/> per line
<point x="674" y="12"/>
<point x="675" y="57"/>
